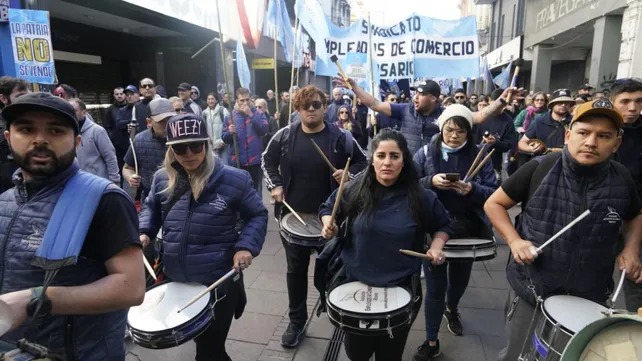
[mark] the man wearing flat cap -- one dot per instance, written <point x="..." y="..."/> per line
<point x="78" y="312"/>
<point x="554" y="190"/>
<point x="546" y="132"/>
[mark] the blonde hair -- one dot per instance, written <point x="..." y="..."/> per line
<point x="198" y="180"/>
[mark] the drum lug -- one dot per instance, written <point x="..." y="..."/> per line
<point x="389" y="329"/>
<point x="341" y="319"/>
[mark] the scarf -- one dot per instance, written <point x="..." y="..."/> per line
<point x="445" y="149"/>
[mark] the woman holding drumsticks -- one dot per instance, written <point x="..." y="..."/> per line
<point x="198" y="202"/>
<point x="386" y="209"/>
<point x="443" y="166"/>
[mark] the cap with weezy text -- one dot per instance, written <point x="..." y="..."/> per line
<point x="160" y="109"/>
<point x="601" y="107"/>
<point x="186" y="128"/>
<point x="427" y="87"/>
<point x="42" y="102"/>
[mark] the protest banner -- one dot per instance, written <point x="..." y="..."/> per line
<point x="417" y="46"/>
<point x="32" y="49"/>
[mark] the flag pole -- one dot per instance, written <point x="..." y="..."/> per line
<point x="220" y="33"/>
<point x="276" y="36"/>
<point x="296" y="32"/>
<point x="372" y="83"/>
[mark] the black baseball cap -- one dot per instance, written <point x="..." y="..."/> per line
<point x="186" y="128"/>
<point x="41" y="102"/>
<point x="427" y="87"/>
<point x="185" y="86"/>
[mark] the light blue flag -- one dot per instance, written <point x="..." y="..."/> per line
<point x="242" y="69"/>
<point x="488" y="79"/>
<point x="313" y="20"/>
<point x="278" y="17"/>
<point x="503" y="79"/>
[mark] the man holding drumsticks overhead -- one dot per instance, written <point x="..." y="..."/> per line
<point x="294" y="170"/>
<point x="554" y="190"/>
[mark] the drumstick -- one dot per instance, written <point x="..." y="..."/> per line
<point x="340" y="191"/>
<point x="474" y="164"/>
<point x="131" y="143"/>
<point x="512" y="84"/>
<point x="293" y="212"/>
<point x="335" y="60"/>
<point x="479" y="167"/>
<point x="149" y="268"/>
<point x="327" y="161"/>
<point x="579" y="218"/>
<point x="209" y="289"/>
<point x="416" y="254"/>
<point x="619" y="286"/>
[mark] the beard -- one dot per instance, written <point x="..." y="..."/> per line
<point x="48" y="168"/>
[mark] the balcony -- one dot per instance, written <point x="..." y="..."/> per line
<point x="483" y="2"/>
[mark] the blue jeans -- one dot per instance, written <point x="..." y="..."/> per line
<point x="445" y="285"/>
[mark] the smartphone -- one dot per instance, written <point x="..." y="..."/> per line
<point x="453" y="177"/>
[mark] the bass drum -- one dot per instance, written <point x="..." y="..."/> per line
<point x="618" y="337"/>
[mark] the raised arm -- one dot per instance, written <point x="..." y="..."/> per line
<point x="370" y="101"/>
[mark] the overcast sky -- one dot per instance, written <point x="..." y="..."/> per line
<point x="391" y="11"/>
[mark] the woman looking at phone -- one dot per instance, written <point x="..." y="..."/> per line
<point x="442" y="165"/>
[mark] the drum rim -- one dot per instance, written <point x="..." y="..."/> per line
<point x="198" y="316"/>
<point x="289" y="232"/>
<point x="329" y="303"/>
<point x="550" y="318"/>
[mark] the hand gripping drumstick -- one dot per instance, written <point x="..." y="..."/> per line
<point x="340" y="191"/>
<point x="474" y="164"/>
<point x="479" y="167"/>
<point x="150" y="269"/>
<point x="335" y="60"/>
<point x="209" y="289"/>
<point x="327" y="161"/>
<point x="512" y="84"/>
<point x="416" y="254"/>
<point x="131" y="144"/>
<point x="293" y="212"/>
<point x="568" y="226"/>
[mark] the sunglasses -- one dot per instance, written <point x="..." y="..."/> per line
<point x="540" y="100"/>
<point x="343" y="112"/>
<point x="459" y="97"/>
<point x="147" y="86"/>
<point x="316" y="104"/>
<point x="194" y="147"/>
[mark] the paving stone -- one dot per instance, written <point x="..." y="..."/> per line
<point x="271" y="355"/>
<point x="270" y="263"/>
<point x="482" y="322"/>
<point x="492" y="345"/>
<point x="487" y="298"/>
<point x="311" y="349"/>
<point x="320" y="327"/>
<point x="250" y="275"/>
<point x="480" y="279"/>
<point x="254" y="327"/>
<point x="242" y="351"/>
<point x="266" y="302"/>
<point x="271" y="281"/>
<point x="272" y="243"/>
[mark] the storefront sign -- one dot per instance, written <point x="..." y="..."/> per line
<point x="505" y="53"/>
<point x="263" y="63"/>
<point x="32" y="49"/>
<point x="555" y="10"/>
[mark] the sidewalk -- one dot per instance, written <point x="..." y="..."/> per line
<point x="257" y="335"/>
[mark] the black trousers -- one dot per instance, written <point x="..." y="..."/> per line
<point x="257" y="177"/>
<point x="210" y="345"/>
<point x="298" y="260"/>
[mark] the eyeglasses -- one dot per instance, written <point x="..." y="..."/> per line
<point x="343" y="112"/>
<point x="540" y="100"/>
<point x="316" y="104"/>
<point x="460" y="97"/>
<point x="456" y="131"/>
<point x="147" y="86"/>
<point x="194" y="147"/>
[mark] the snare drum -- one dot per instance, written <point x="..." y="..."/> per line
<point x="470" y="249"/>
<point x="296" y="233"/>
<point x="157" y="324"/>
<point x="560" y="317"/>
<point x="369" y="311"/>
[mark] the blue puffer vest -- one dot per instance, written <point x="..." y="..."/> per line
<point x="151" y="153"/>
<point x="580" y="262"/>
<point x="199" y="237"/>
<point x="417" y="128"/>
<point x="23" y="221"/>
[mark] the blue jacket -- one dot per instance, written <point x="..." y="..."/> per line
<point x="549" y="131"/>
<point x="199" y="237"/>
<point x="384" y="122"/>
<point x="371" y="252"/>
<point x="96" y="154"/>
<point x="417" y="128"/>
<point x="429" y="162"/>
<point x="630" y="151"/>
<point x="501" y="126"/>
<point x="23" y="220"/>
<point x="249" y="136"/>
<point x="580" y="262"/>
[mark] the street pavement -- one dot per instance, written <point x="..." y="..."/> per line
<point x="257" y="334"/>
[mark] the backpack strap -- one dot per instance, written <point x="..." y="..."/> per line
<point x="349" y="144"/>
<point x="544" y="165"/>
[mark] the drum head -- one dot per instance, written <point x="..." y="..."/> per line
<point x="360" y="298"/>
<point x="6" y="318"/>
<point x="469" y="243"/>
<point x="573" y="313"/>
<point x="159" y="310"/>
<point x="312" y="228"/>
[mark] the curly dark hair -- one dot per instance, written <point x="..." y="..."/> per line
<point x="307" y="94"/>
